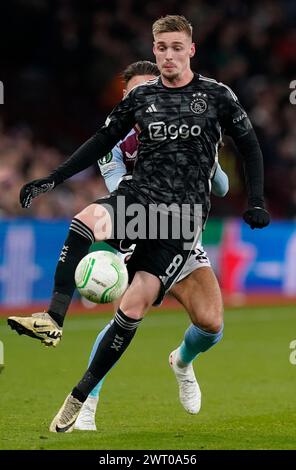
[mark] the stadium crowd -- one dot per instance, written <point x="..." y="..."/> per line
<point x="60" y="66"/>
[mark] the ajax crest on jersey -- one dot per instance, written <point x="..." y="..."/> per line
<point x="101" y="277"/>
<point x="199" y="104"/>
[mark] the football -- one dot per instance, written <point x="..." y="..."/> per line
<point x="101" y="277"/>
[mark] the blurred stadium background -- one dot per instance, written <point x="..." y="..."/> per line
<point x="60" y="66"/>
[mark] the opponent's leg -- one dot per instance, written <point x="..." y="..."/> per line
<point x="200" y="294"/>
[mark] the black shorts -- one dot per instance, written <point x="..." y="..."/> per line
<point x="163" y="257"/>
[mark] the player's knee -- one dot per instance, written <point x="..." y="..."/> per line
<point x="215" y="326"/>
<point x="135" y="307"/>
<point x="98" y="220"/>
<point x="133" y="312"/>
<point x="85" y="217"/>
<point x="211" y="320"/>
<point x="211" y="326"/>
<point x="141" y="294"/>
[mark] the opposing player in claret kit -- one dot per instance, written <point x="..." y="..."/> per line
<point x="181" y="117"/>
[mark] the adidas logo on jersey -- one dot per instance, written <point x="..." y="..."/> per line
<point x="151" y="109"/>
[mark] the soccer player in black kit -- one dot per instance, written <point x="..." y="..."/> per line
<point x="181" y="116"/>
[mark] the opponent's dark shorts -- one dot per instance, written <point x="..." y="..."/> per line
<point x="164" y="257"/>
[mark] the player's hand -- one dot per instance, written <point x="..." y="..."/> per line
<point x="33" y="189"/>
<point x="256" y="217"/>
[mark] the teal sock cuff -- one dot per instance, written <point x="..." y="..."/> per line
<point x="208" y="334"/>
<point x="197" y="341"/>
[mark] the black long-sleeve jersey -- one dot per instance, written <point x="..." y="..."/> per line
<point x="180" y="131"/>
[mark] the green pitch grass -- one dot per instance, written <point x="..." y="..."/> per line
<point x="247" y="381"/>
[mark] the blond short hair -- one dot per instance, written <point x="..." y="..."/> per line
<point x="172" y="23"/>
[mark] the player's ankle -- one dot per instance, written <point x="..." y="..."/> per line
<point x="76" y="393"/>
<point x="56" y="318"/>
<point x="180" y="362"/>
<point x="58" y="307"/>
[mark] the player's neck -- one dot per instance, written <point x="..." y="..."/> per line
<point x="177" y="82"/>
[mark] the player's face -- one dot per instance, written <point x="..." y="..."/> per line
<point x="137" y="80"/>
<point x="173" y="52"/>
